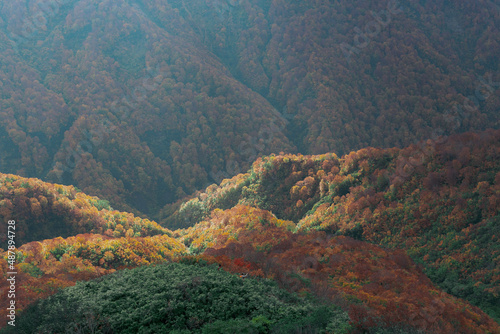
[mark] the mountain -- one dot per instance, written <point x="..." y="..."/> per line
<point x="142" y="102"/>
<point x="375" y="287"/>
<point x="341" y="157"/>
<point x="438" y="200"/>
<point x="396" y="240"/>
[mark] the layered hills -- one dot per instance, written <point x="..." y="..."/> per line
<point x="392" y="239"/>
<point x="150" y="161"/>
<point x="143" y="102"/>
<point x="439" y="200"/>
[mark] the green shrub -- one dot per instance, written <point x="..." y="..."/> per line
<point x="177" y="298"/>
<point x="101" y="204"/>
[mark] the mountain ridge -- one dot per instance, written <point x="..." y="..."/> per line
<point x="189" y="90"/>
<point x="436" y="200"/>
<point x="241" y="226"/>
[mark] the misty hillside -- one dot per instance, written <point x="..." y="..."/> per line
<point x="145" y="102"/>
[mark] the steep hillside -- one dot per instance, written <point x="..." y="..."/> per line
<point x="44" y="267"/>
<point x="143" y="102"/>
<point x="378" y="289"/>
<point x="45" y="211"/>
<point x="439" y="200"/>
<point x="347" y="150"/>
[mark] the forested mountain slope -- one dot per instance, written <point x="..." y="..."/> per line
<point x="438" y="200"/>
<point x="394" y="238"/>
<point x="144" y="101"/>
<point x="46" y="210"/>
<point x="377" y="289"/>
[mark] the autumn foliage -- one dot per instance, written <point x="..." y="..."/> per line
<point x="145" y="102"/>
<point x="438" y="200"/>
<point x="47" y="266"/>
<point x="379" y="287"/>
<point x="394" y="237"/>
<point x="43" y="211"/>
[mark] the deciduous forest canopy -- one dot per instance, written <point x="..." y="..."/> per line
<point x="143" y="102"/>
<point x="266" y="166"/>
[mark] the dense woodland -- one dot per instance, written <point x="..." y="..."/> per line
<point x="387" y="240"/>
<point x="48" y="209"/>
<point x="143" y="102"/>
<point x="331" y="166"/>
<point x="438" y="200"/>
<point x="180" y="298"/>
